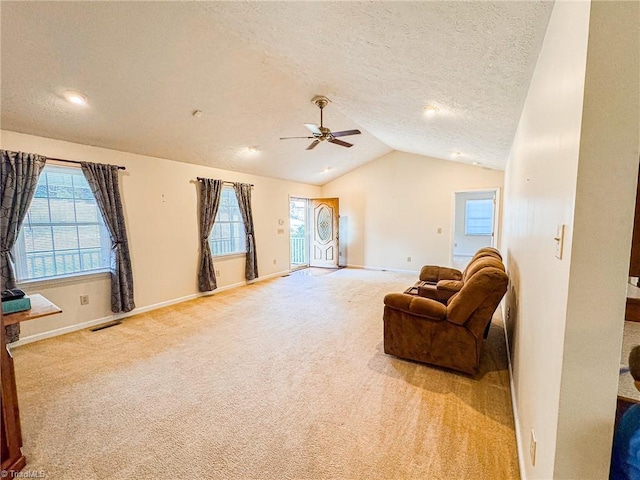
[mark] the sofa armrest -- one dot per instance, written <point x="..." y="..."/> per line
<point x="434" y="273"/>
<point x="452" y="286"/>
<point x="417" y="306"/>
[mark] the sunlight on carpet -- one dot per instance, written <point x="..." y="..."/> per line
<point x="281" y="379"/>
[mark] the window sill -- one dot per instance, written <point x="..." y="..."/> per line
<point x="73" y="278"/>
<point x="229" y="256"/>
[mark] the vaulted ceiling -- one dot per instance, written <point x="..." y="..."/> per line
<point x="252" y="68"/>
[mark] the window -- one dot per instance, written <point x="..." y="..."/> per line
<point x="228" y="236"/>
<point x="63" y="232"/>
<point x="479" y="217"/>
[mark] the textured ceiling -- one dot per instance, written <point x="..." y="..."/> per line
<point x="252" y="68"/>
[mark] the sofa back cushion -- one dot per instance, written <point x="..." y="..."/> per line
<point x="480" y="294"/>
<point x="479" y="261"/>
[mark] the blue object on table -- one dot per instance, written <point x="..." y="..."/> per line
<point x="17" y="305"/>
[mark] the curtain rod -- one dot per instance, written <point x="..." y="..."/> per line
<point x="76" y="161"/>
<point x="224" y="181"/>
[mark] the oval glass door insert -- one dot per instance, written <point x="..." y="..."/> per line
<point x="324" y="224"/>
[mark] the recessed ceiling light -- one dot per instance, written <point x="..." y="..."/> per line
<point x="253" y="149"/>
<point x="456" y="154"/>
<point x="326" y="170"/>
<point x="476" y="163"/>
<point x="75" y="98"/>
<point x="430" y="110"/>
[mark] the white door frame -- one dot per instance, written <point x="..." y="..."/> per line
<point x="306" y="232"/>
<point x="497" y="217"/>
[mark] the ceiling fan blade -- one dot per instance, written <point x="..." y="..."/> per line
<point x="287" y="138"/>
<point x="346" y="133"/>
<point x="313" y="145"/>
<point x="341" y="143"/>
<point x="313" y="128"/>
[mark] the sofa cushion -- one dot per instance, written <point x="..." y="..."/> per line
<point x="480" y="263"/>
<point x="434" y="273"/>
<point x="484" y="283"/>
<point x="418" y="306"/>
<point x="450" y="285"/>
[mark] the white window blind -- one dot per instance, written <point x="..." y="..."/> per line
<point x="63" y="232"/>
<point x="228" y="234"/>
<point x="479" y="217"/>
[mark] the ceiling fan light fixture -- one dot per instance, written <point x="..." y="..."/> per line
<point x="431" y="110"/>
<point x="75" y="98"/>
<point x="320" y="133"/>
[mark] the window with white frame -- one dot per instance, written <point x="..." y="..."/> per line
<point x="479" y="217"/>
<point x="228" y="234"/>
<point x="63" y="232"/>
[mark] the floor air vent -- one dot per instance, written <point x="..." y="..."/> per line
<point x="106" y="325"/>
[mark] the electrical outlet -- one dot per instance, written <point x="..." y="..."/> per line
<point x="508" y="313"/>
<point x="84" y="299"/>
<point x="439" y="229"/>
<point x="274" y="261"/>
<point x="408" y="259"/>
<point x="532" y="447"/>
<point x="217" y="272"/>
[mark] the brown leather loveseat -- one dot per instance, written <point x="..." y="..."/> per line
<point x="451" y="335"/>
<point x="440" y="283"/>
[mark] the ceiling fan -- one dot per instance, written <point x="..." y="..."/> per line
<point x="322" y="133"/>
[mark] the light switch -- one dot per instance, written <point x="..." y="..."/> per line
<point x="559" y="238"/>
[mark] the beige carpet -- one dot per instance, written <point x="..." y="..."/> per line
<point x="282" y="379"/>
<point x="631" y="338"/>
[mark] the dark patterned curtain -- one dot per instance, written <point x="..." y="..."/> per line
<point x="243" y="194"/>
<point x="19" y="174"/>
<point x="103" y="180"/>
<point x="210" y="191"/>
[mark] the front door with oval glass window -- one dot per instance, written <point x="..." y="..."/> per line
<point x="324" y="244"/>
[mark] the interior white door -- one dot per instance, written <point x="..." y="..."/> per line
<point x="324" y="240"/>
<point x="474" y="224"/>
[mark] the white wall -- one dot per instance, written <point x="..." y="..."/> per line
<point x="574" y="161"/>
<point x="392" y="208"/>
<point x="602" y="231"/>
<point x="160" y="200"/>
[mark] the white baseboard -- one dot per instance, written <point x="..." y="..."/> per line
<point x="383" y="269"/>
<point x="61" y="331"/>
<point x="119" y="316"/>
<point x="271" y="275"/>
<point x="514" y="405"/>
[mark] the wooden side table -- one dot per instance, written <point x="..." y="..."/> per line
<point x="11" y="441"/>
<point x="40" y="307"/>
